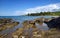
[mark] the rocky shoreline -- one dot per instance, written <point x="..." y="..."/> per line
<point x="29" y="29"/>
<point x="6" y="23"/>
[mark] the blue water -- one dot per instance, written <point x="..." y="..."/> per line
<point x="22" y="18"/>
<point x="19" y="19"/>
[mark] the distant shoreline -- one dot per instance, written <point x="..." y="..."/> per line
<point x="45" y="14"/>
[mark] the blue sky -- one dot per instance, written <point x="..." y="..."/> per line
<point x="21" y="7"/>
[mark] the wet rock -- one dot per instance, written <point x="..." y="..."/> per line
<point x="17" y="33"/>
<point x="7" y="23"/>
<point x="39" y="20"/>
<point x="54" y="23"/>
<point x="29" y="24"/>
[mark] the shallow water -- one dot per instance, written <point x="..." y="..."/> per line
<point x="19" y="19"/>
<point x="42" y="27"/>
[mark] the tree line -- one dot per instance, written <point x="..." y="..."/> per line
<point x="45" y="13"/>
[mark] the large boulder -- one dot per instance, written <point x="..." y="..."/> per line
<point x="54" y="23"/>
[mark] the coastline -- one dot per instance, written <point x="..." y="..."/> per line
<point x="28" y="26"/>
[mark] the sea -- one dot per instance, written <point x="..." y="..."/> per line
<point x="23" y="18"/>
<point x="20" y="19"/>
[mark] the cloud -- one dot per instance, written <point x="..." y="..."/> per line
<point x="46" y="8"/>
<point x="16" y="13"/>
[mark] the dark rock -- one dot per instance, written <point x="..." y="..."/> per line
<point x="54" y="23"/>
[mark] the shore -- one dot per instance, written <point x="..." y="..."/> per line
<point x="30" y="29"/>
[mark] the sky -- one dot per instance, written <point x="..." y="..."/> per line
<point x="22" y="7"/>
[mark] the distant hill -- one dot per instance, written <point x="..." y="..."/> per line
<point x="57" y="13"/>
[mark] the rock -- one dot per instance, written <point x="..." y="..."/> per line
<point x="15" y="36"/>
<point x="39" y="21"/>
<point x="54" y="23"/>
<point x="29" y="24"/>
<point x="7" y="23"/>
